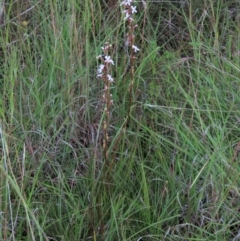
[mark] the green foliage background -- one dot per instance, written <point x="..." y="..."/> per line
<point x="175" y="171"/>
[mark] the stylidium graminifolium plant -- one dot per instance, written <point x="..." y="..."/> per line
<point x="104" y="73"/>
<point x="104" y="69"/>
<point x="129" y="10"/>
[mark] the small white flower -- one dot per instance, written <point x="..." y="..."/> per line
<point x="127" y="15"/>
<point x="108" y="60"/>
<point x="133" y="9"/>
<point x="126" y="2"/>
<point x="110" y="78"/>
<point x="135" y="48"/>
<point x="101" y="68"/>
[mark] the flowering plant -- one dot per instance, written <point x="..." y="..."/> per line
<point x="104" y="73"/>
<point x="104" y="69"/>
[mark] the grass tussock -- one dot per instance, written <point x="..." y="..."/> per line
<point x="142" y="148"/>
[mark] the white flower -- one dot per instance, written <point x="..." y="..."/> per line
<point x="126" y="2"/>
<point x="101" y="68"/>
<point x="110" y="78"/>
<point x="133" y="9"/>
<point x="127" y="15"/>
<point x="108" y="60"/>
<point x="135" y="48"/>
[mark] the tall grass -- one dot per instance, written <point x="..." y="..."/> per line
<point x="173" y="132"/>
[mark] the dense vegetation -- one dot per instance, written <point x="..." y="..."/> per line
<point x="170" y="169"/>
